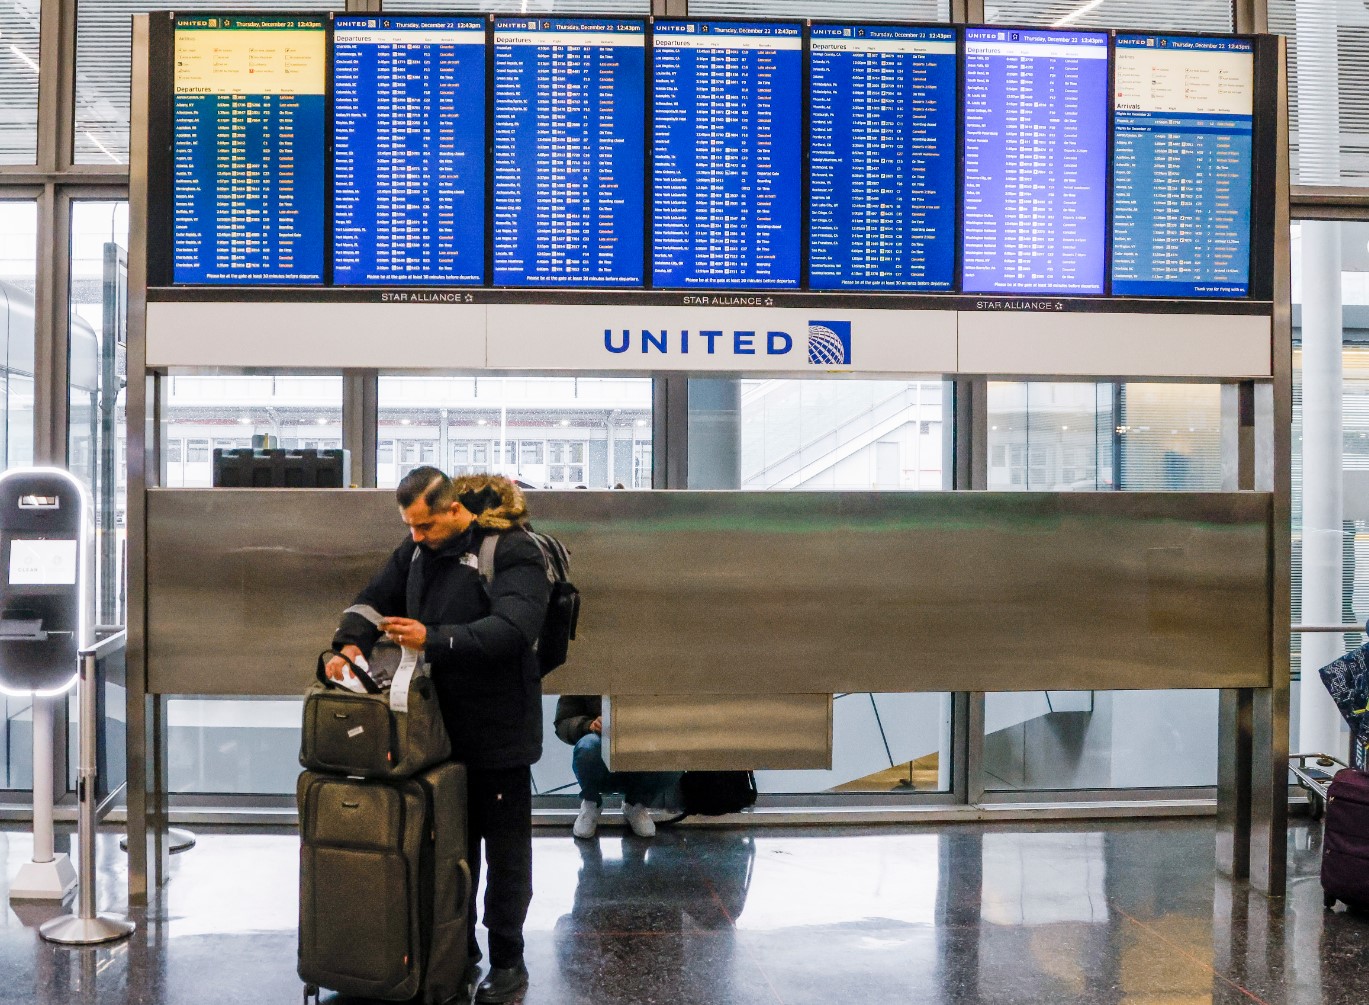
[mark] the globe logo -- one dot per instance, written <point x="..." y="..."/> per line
<point x="829" y="343"/>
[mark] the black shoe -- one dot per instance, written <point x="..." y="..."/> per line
<point x="502" y="985"/>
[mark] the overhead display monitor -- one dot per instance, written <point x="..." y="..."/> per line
<point x="569" y="152"/>
<point x="882" y="157"/>
<point x="408" y="150"/>
<point x="727" y="134"/>
<point x="1033" y="216"/>
<point x="1183" y="163"/>
<point x="248" y="153"/>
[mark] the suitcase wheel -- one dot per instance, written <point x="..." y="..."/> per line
<point x="1328" y="901"/>
<point x="310" y="991"/>
<point x="1316" y="806"/>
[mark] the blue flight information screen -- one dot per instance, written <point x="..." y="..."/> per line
<point x="881" y="157"/>
<point x="1036" y="161"/>
<point x="1183" y="162"/>
<point x="569" y="154"/>
<point x="248" y="152"/>
<point x="726" y="181"/>
<point x="408" y="150"/>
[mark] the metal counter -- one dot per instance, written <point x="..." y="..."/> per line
<point x="693" y="593"/>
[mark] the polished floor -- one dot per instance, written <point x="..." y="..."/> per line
<point x="1088" y="913"/>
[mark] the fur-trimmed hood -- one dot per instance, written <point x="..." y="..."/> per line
<point x="497" y="503"/>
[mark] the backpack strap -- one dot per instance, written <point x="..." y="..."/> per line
<point x="488" y="544"/>
<point x="413" y="586"/>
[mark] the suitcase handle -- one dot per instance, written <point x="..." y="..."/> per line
<point x="366" y="680"/>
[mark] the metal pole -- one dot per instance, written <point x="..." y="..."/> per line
<point x="48" y="876"/>
<point x="86" y="927"/>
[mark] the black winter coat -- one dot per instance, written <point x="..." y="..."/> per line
<point x="480" y="645"/>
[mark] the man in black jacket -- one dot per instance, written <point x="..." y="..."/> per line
<point x="479" y="640"/>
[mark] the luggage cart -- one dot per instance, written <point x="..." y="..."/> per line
<point x="1314" y="773"/>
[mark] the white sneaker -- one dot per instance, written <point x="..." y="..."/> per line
<point x="639" y="820"/>
<point x="588" y="820"/>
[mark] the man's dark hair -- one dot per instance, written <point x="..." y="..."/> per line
<point x="429" y="483"/>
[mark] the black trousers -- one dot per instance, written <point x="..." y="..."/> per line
<point x="500" y="820"/>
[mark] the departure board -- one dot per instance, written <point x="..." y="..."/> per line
<point x="408" y="150"/>
<point x="882" y="157"/>
<point x="248" y="151"/>
<point x="1183" y="156"/>
<point x="1033" y="215"/>
<point x="726" y="180"/>
<point x="569" y="153"/>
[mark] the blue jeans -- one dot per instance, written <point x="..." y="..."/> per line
<point x="647" y="788"/>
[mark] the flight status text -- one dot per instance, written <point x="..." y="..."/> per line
<point x="726" y="185"/>
<point x="569" y="174"/>
<point x="1035" y="176"/>
<point x="409" y="150"/>
<point x="1183" y="153"/>
<point x="882" y="157"/>
<point x="248" y="150"/>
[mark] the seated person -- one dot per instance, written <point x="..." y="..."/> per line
<point x="579" y="722"/>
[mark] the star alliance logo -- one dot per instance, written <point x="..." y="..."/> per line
<point x="829" y="343"/>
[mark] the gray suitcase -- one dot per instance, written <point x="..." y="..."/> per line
<point x="384" y="882"/>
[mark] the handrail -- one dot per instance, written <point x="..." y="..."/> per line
<point x="106" y="647"/>
<point x="1332" y="629"/>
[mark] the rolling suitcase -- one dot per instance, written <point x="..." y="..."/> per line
<point x="384" y="882"/>
<point x="1345" y="848"/>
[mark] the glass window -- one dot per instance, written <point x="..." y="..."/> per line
<point x="1059" y="437"/>
<point x="816" y="434"/>
<point x="104" y="36"/>
<point x="18" y="277"/>
<point x="1331" y="267"/>
<point x="233" y="746"/>
<point x="862" y="10"/>
<point x="1144" y="15"/>
<point x="292" y="411"/>
<point x="832" y="435"/>
<point x="99" y="313"/>
<point x="475" y="421"/>
<point x="19" y="82"/>
<point x="1327" y="88"/>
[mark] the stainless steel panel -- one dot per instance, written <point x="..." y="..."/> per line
<point x="743" y="593"/>
<point x="716" y="732"/>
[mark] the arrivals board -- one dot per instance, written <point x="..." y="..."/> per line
<point x="882" y="157"/>
<point x="408" y="150"/>
<point x="248" y="149"/>
<point x="1183" y="162"/>
<point x="727" y="154"/>
<point x="569" y="152"/>
<point x="1033" y="217"/>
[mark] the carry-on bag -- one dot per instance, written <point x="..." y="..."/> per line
<point x="385" y="733"/>
<point x="715" y="793"/>
<point x="1347" y="681"/>
<point x="384" y="882"/>
<point x="1345" y="847"/>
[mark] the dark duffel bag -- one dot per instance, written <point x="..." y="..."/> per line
<point x="715" y="793"/>
<point x="384" y="733"/>
<point x="1345" y="847"/>
<point x="384" y="882"/>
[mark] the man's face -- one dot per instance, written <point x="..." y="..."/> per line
<point x="435" y="527"/>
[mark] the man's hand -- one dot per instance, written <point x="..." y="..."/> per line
<point x="337" y="664"/>
<point x="406" y="632"/>
<point x="597" y="726"/>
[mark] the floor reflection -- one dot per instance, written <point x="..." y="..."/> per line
<point x="1126" y="912"/>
